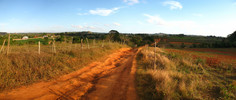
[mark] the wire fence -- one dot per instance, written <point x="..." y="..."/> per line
<point x="54" y="48"/>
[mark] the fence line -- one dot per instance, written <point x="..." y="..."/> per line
<point x="55" y="47"/>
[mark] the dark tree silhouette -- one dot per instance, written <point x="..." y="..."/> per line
<point x="115" y="35"/>
<point x="232" y="37"/>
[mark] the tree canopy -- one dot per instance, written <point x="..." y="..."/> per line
<point x="232" y="37"/>
<point x="114" y="35"/>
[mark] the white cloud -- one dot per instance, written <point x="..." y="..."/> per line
<point x="131" y="2"/>
<point x="103" y="12"/>
<point x="157" y="20"/>
<point x="197" y="14"/>
<point x="116" y="24"/>
<point x="217" y="27"/>
<point x="85" y="27"/>
<point x="173" y="5"/>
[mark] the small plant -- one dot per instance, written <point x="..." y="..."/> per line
<point x="199" y="61"/>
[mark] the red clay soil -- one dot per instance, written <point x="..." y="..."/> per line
<point x="112" y="79"/>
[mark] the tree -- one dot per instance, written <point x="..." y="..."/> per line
<point x="76" y="40"/>
<point x="194" y="45"/>
<point x="137" y="40"/>
<point x="115" y="35"/>
<point x="61" y="38"/>
<point x="232" y="37"/>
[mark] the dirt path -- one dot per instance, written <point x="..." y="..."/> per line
<point x="112" y="79"/>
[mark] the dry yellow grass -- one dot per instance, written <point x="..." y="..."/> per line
<point x="178" y="77"/>
<point x="24" y="65"/>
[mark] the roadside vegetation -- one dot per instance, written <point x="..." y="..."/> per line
<point x="185" y="74"/>
<point x="24" y="65"/>
<point x="189" y="68"/>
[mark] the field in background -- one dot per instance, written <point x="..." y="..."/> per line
<point x="223" y="57"/>
<point x="186" y="74"/>
<point x="24" y="65"/>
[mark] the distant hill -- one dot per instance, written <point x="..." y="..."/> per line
<point x="3" y="33"/>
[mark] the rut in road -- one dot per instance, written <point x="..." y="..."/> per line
<point x="112" y="79"/>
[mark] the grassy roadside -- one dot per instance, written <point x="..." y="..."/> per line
<point x="180" y="77"/>
<point x="25" y="68"/>
<point x="145" y="85"/>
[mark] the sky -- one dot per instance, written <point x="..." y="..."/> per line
<point x="191" y="17"/>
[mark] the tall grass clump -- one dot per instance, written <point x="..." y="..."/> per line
<point x="179" y="77"/>
<point x="25" y="66"/>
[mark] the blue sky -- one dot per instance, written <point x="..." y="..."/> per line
<point x="198" y="17"/>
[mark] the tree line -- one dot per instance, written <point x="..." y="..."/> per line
<point x="133" y="40"/>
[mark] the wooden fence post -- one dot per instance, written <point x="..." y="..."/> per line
<point x="39" y="48"/>
<point x="81" y="44"/>
<point x="53" y="46"/>
<point x="8" y="45"/>
<point x="87" y="42"/>
<point x="155" y="56"/>
<point x="2" y="46"/>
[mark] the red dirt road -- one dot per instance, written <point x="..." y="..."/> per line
<point x="112" y="79"/>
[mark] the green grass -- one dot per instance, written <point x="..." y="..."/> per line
<point x="24" y="66"/>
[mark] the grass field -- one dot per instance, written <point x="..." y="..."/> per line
<point x="24" y="65"/>
<point x="186" y="74"/>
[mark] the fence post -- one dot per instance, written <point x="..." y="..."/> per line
<point x="3" y="45"/>
<point x="53" y="45"/>
<point x="82" y="44"/>
<point x="39" y="48"/>
<point x="102" y="43"/>
<point x="87" y="42"/>
<point x="155" y="56"/>
<point x="8" y="45"/>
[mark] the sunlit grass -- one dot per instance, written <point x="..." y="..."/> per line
<point x="179" y="76"/>
<point x="24" y="65"/>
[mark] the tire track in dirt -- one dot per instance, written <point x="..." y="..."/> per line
<point x="111" y="79"/>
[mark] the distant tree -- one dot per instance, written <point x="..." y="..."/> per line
<point x="114" y="35"/>
<point x="46" y="40"/>
<point x="232" y="37"/>
<point x="61" y="38"/>
<point x="194" y="45"/>
<point x="137" y="40"/>
<point x="147" y="40"/>
<point x="76" y="40"/>
<point x="181" y="35"/>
